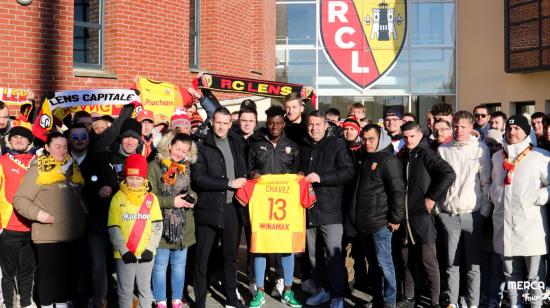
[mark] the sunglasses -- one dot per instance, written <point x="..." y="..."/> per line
<point x="479" y="115"/>
<point x="79" y="137"/>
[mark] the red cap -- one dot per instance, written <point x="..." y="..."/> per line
<point x="196" y="119"/>
<point x="187" y="98"/>
<point x="145" y="115"/>
<point x="135" y="165"/>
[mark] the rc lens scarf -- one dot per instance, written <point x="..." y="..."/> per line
<point x="135" y="195"/>
<point x="52" y="171"/>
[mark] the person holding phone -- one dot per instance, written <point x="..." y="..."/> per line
<point x="170" y="178"/>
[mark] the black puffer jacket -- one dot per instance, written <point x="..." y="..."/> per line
<point x="266" y="159"/>
<point x="426" y="174"/>
<point x="296" y="131"/>
<point x="379" y="195"/>
<point x="209" y="179"/>
<point x="330" y="159"/>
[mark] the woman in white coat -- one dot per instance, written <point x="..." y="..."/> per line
<point x="519" y="192"/>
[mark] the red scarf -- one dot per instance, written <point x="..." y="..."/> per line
<point x="509" y="167"/>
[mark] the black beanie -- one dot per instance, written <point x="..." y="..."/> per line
<point x="520" y="121"/>
<point x="21" y="131"/>
<point x="130" y="128"/>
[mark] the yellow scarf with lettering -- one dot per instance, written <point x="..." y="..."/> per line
<point x="52" y="171"/>
<point x="135" y="195"/>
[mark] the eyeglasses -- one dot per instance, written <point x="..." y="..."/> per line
<point x="79" y="137"/>
<point x="480" y="115"/>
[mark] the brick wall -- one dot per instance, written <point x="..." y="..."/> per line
<point x="146" y="37"/>
<point x="528" y="30"/>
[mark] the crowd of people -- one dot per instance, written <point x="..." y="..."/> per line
<point x="453" y="210"/>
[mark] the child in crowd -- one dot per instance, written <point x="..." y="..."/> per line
<point x="135" y="228"/>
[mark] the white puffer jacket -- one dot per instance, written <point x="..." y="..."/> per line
<point x="471" y="162"/>
<point x="520" y="219"/>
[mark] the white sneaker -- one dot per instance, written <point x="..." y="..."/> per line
<point x="252" y="288"/>
<point x="239" y="296"/>
<point x="309" y="286"/>
<point x="337" y="303"/>
<point x="279" y="288"/>
<point x="321" y="297"/>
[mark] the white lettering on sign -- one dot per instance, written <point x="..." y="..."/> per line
<point x="338" y="37"/>
<point x="355" y="68"/>
<point x="337" y="9"/>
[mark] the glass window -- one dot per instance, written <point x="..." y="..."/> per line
<point x="296" y="66"/>
<point x="421" y="104"/>
<point x="433" y="70"/>
<point x="296" y="24"/>
<point x="397" y="79"/>
<point x="194" y="33"/>
<point x="432" y="24"/>
<point x="88" y="34"/>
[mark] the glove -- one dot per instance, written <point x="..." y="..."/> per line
<point x="129" y="257"/>
<point x="146" y="256"/>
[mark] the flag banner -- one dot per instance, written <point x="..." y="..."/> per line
<point x="54" y="109"/>
<point x="254" y="86"/>
<point x="13" y="96"/>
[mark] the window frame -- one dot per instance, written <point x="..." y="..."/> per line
<point x="96" y="26"/>
<point x="194" y="65"/>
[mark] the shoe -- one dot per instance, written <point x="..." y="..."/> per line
<point x="453" y="306"/>
<point x="290" y="300"/>
<point x="309" y="286"/>
<point x="337" y="303"/>
<point x="162" y="304"/>
<point x="252" y="288"/>
<point x="321" y="297"/>
<point x="407" y="302"/>
<point x="258" y="300"/>
<point x="176" y="303"/>
<point x="279" y="288"/>
<point x="239" y="296"/>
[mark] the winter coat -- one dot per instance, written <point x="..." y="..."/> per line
<point x="471" y="162"/>
<point x="330" y="159"/>
<point x="264" y="158"/>
<point x="296" y="131"/>
<point x="103" y="141"/>
<point x="209" y="179"/>
<point x="166" y="195"/>
<point x="426" y="175"/>
<point x="59" y="199"/>
<point x="379" y="194"/>
<point x="520" y="218"/>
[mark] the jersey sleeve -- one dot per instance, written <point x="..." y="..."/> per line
<point x="114" y="212"/>
<point x="244" y="194"/>
<point x="156" y="214"/>
<point x="307" y="195"/>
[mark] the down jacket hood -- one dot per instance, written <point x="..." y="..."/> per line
<point x="163" y="152"/>
<point x="384" y="142"/>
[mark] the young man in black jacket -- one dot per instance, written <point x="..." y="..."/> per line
<point x="326" y="162"/>
<point x="219" y="171"/>
<point x="428" y="177"/>
<point x="377" y="209"/>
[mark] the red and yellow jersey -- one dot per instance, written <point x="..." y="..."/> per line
<point x="163" y="98"/>
<point x="12" y="171"/>
<point x="125" y="214"/>
<point x="276" y="205"/>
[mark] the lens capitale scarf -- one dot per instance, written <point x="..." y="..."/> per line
<point x="174" y="219"/>
<point x="509" y="167"/>
<point x="52" y="171"/>
<point x="173" y="169"/>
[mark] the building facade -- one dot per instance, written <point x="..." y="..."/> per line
<point x="83" y="44"/>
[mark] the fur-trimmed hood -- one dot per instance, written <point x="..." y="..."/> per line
<point x="163" y="152"/>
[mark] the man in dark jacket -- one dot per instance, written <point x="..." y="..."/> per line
<point x="377" y="210"/>
<point x="219" y="171"/>
<point x="295" y="127"/>
<point x="428" y="177"/>
<point x="271" y="152"/>
<point x="328" y="166"/>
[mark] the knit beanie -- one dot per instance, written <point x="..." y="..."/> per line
<point x="180" y="119"/>
<point x="135" y="165"/>
<point x="196" y="119"/>
<point x="21" y="128"/>
<point x="352" y="122"/>
<point x="130" y="128"/>
<point x="520" y="121"/>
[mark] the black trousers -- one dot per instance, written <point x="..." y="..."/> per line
<point x="230" y="237"/>
<point x="56" y="272"/>
<point x="417" y="260"/>
<point x="17" y="261"/>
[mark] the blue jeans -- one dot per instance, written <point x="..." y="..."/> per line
<point x="177" y="259"/>
<point x="381" y="269"/>
<point x="259" y="268"/>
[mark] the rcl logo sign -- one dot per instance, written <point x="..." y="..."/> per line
<point x="363" y="38"/>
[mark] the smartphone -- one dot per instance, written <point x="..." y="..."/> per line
<point x="189" y="199"/>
